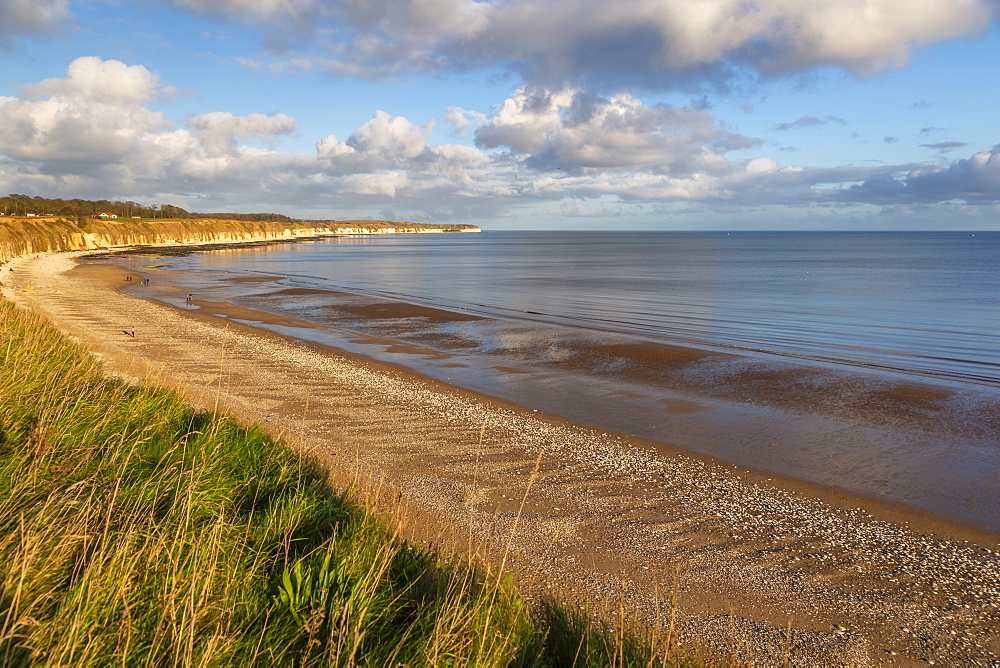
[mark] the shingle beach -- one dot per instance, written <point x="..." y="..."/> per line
<point x="751" y="568"/>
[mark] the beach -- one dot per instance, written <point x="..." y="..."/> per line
<point x="825" y="358"/>
<point x="749" y="564"/>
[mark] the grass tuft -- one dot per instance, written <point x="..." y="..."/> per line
<point x="134" y="529"/>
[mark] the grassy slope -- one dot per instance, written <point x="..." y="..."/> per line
<point x="134" y="530"/>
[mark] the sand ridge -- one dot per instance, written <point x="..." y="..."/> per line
<point x="606" y="518"/>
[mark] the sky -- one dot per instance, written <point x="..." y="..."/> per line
<point x="513" y="114"/>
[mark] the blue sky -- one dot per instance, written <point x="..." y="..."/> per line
<point x="513" y="114"/>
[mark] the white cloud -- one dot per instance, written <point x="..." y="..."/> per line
<point x="614" y="43"/>
<point x="63" y="130"/>
<point x="457" y="163"/>
<point x="92" y="133"/>
<point x="91" y="129"/>
<point x="21" y="17"/>
<point x="866" y="36"/>
<point x="462" y="120"/>
<point x="92" y="79"/>
<point x="219" y="131"/>
<point x="93" y="115"/>
<point x="382" y="185"/>
<point x="572" y="131"/>
<point x="392" y="136"/>
<point x="524" y="120"/>
<point x="384" y="142"/>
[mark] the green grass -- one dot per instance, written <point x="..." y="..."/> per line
<point x="136" y="530"/>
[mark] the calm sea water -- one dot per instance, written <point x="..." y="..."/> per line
<point x="863" y="311"/>
<point x="925" y="303"/>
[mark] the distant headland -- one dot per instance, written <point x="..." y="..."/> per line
<point x="35" y="225"/>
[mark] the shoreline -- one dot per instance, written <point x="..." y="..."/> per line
<point x="923" y="520"/>
<point x="912" y="441"/>
<point x="604" y="515"/>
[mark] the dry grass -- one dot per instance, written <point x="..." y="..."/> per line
<point x="136" y="530"/>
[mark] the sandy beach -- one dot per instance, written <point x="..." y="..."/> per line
<point x="758" y="567"/>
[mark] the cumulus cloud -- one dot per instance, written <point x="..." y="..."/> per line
<point x="976" y="179"/>
<point x="393" y="144"/>
<point x="93" y="133"/>
<point x="574" y="131"/>
<point x="94" y="114"/>
<point x="219" y="131"/>
<point x="22" y="17"/>
<point x="614" y="43"/>
<point x="864" y="36"/>
<point x="93" y="129"/>
<point x="384" y="142"/>
<point x="92" y="79"/>
<point x="462" y="120"/>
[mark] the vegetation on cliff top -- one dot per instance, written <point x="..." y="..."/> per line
<point x="82" y="211"/>
<point x="134" y="530"/>
<point x="79" y="209"/>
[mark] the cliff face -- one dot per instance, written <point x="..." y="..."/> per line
<point x="22" y="236"/>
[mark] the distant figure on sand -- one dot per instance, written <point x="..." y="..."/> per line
<point x="132" y="332"/>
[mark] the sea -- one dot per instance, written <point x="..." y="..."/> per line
<point x="864" y="361"/>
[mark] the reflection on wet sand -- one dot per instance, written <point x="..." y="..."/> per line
<point x="871" y="433"/>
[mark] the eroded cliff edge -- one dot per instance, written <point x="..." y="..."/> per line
<point x="23" y="236"/>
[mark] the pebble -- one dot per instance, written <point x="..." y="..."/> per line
<point x="596" y="500"/>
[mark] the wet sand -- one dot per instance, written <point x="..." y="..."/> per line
<point x="911" y="439"/>
<point x="604" y="517"/>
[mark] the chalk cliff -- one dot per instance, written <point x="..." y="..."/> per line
<point x="22" y="236"/>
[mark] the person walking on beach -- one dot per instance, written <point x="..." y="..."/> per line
<point x="132" y="332"/>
